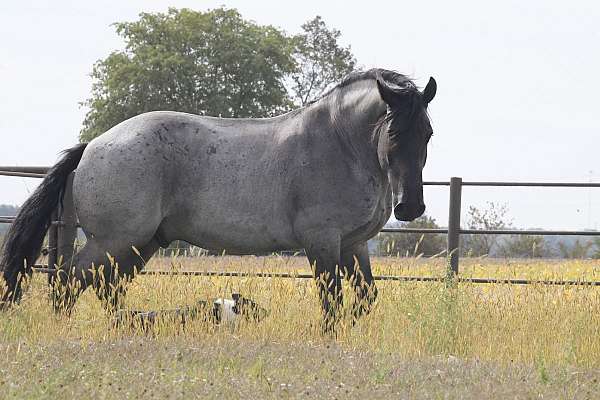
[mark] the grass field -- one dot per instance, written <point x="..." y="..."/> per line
<point x="422" y="340"/>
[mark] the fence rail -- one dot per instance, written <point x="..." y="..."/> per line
<point x="535" y="184"/>
<point x="40" y="172"/>
<point x="31" y="170"/>
<point x="22" y="174"/>
<point x="285" y="275"/>
<point x="64" y="224"/>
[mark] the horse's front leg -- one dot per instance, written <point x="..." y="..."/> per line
<point x="323" y="252"/>
<point x="361" y="277"/>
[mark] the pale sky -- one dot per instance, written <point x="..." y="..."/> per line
<point x="517" y="86"/>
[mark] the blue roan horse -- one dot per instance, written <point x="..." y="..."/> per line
<point x="324" y="178"/>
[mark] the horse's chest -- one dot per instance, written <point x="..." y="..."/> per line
<point x="372" y="214"/>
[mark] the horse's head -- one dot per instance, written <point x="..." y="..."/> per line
<point x="402" y="147"/>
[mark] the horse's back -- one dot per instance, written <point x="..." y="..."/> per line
<point x="188" y="175"/>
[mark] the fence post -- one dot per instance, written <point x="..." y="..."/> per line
<point x="52" y="245"/>
<point x="454" y="223"/>
<point x="67" y="230"/>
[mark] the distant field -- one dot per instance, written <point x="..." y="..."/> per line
<point x="422" y="339"/>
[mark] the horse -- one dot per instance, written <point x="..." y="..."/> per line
<point x="324" y="178"/>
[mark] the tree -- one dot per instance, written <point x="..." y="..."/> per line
<point x="412" y="244"/>
<point x="320" y="61"/>
<point x="578" y="249"/>
<point x="494" y="216"/>
<point x="213" y="63"/>
<point x="524" y="246"/>
<point x="596" y="253"/>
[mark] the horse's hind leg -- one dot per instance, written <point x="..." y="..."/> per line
<point x="103" y="266"/>
<point x="110" y="283"/>
<point x="360" y="276"/>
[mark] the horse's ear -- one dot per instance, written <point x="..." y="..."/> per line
<point x="430" y="89"/>
<point x="387" y="93"/>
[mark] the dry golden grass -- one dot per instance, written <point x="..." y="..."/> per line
<point x="545" y="329"/>
<point x="495" y="322"/>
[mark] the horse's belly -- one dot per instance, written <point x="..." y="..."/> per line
<point x="237" y="240"/>
<point x="222" y="228"/>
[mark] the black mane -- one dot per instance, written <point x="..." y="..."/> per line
<point x="391" y="77"/>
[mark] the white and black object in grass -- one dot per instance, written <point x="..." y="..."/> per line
<point x="225" y="310"/>
<point x="217" y="311"/>
<point x="231" y="310"/>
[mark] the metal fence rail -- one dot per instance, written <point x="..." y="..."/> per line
<point x="535" y="184"/>
<point x="286" y="275"/>
<point x="539" y="232"/>
<point x="32" y="170"/>
<point x="22" y="174"/>
<point x="64" y="224"/>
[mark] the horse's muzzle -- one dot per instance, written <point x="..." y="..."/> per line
<point x="408" y="211"/>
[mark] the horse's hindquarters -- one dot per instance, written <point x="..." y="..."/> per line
<point x="118" y="194"/>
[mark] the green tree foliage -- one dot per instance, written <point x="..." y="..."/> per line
<point x="494" y="216"/>
<point x="579" y="249"/>
<point x="320" y="61"/>
<point x="212" y="63"/>
<point x="412" y="244"/>
<point x="530" y="246"/>
<point x="596" y="249"/>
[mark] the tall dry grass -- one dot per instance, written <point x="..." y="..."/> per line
<point x="530" y="324"/>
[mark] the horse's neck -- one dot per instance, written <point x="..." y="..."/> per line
<point x="356" y="110"/>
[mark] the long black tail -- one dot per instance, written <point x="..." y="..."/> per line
<point x="24" y="240"/>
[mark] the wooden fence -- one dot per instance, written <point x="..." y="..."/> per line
<point x="63" y="229"/>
